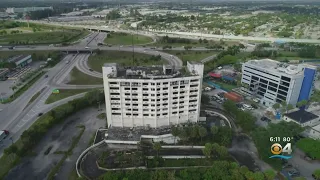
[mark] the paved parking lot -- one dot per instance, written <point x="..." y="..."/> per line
<point x="5" y="88"/>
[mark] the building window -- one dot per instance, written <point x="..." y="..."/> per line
<point x="181" y="112"/>
<point x="145" y="84"/>
<point x="115" y="109"/>
<point x="165" y="83"/>
<point x="114" y="88"/>
<point x="195" y="85"/>
<point x="115" y="99"/>
<point x="158" y="83"/>
<point x="113" y="83"/>
<point x="174" y="112"/>
<point x="144" y="100"/>
<point x="145" y="94"/>
<point x="116" y="114"/>
<point x="182" y="87"/>
<point x="126" y="88"/>
<point x="175" y="92"/>
<point x="165" y="114"/>
<point x="128" y="114"/>
<point x="153" y="89"/>
<point x="134" y="104"/>
<point x="135" y="94"/>
<point x="145" y="115"/>
<point x="127" y="94"/>
<point x="134" y="109"/>
<point x="145" y="89"/>
<point x="145" y="105"/>
<point x="134" y="89"/>
<point x="165" y="104"/>
<point x="128" y="104"/>
<point x="115" y="104"/>
<point x="135" y="114"/>
<point x="152" y="84"/>
<point x="115" y="94"/>
<point x="134" y="99"/>
<point x="127" y="99"/>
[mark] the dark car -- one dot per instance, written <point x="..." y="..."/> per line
<point x="40" y="114"/>
<point x="293" y="173"/>
<point x="287" y="165"/>
<point x="90" y="69"/>
<point x="46" y="76"/>
<point x="254" y="106"/>
<point x="265" y="119"/>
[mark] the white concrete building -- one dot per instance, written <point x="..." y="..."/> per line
<point x="26" y="9"/>
<point x="152" y="96"/>
<point x="274" y="82"/>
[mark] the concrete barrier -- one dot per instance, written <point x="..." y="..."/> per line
<point x="84" y="153"/>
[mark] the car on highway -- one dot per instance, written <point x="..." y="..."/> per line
<point x="46" y="76"/>
<point x="3" y="134"/>
<point x="90" y="69"/>
<point x="86" y="47"/>
<point x="40" y="114"/>
<point x="12" y="47"/>
<point x="0" y="46"/>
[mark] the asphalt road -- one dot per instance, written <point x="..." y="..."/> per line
<point x="189" y="35"/>
<point x="16" y="117"/>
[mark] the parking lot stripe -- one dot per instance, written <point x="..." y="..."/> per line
<point x="32" y="110"/>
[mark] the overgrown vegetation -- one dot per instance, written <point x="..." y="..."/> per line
<point x="31" y="137"/>
<point x="218" y="170"/>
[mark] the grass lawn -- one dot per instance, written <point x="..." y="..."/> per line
<point x="64" y="93"/>
<point x="191" y="55"/>
<point x="42" y="37"/>
<point x="80" y="78"/>
<point x="122" y="57"/>
<point x="126" y="39"/>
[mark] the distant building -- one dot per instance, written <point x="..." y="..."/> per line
<point x="26" y="9"/>
<point x="21" y="60"/>
<point x="302" y="117"/>
<point x="152" y="96"/>
<point x="4" y="73"/>
<point x="274" y="82"/>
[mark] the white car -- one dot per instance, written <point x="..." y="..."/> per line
<point x="219" y="67"/>
<point x="87" y="47"/>
<point x="256" y="100"/>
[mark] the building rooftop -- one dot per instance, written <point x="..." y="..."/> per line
<point x="143" y="72"/>
<point x="17" y="58"/>
<point x="301" y="116"/>
<point x="134" y="134"/>
<point x="272" y="65"/>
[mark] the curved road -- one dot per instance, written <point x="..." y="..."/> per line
<point x="17" y="116"/>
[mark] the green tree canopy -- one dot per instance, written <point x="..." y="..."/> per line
<point x="310" y="146"/>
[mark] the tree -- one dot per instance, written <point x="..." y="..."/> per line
<point x="214" y="130"/>
<point x="202" y="132"/>
<point x="276" y="106"/>
<point x="241" y="46"/>
<point x="270" y="174"/>
<point x="222" y="151"/>
<point x="195" y="131"/>
<point x="302" y="103"/>
<point x="11" y="149"/>
<point x="258" y="176"/>
<point x="200" y="41"/>
<point x="316" y="174"/>
<point x="207" y="150"/>
<point x="157" y="147"/>
<point x="175" y="133"/>
<point x="205" y="99"/>
<point x="290" y="107"/>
